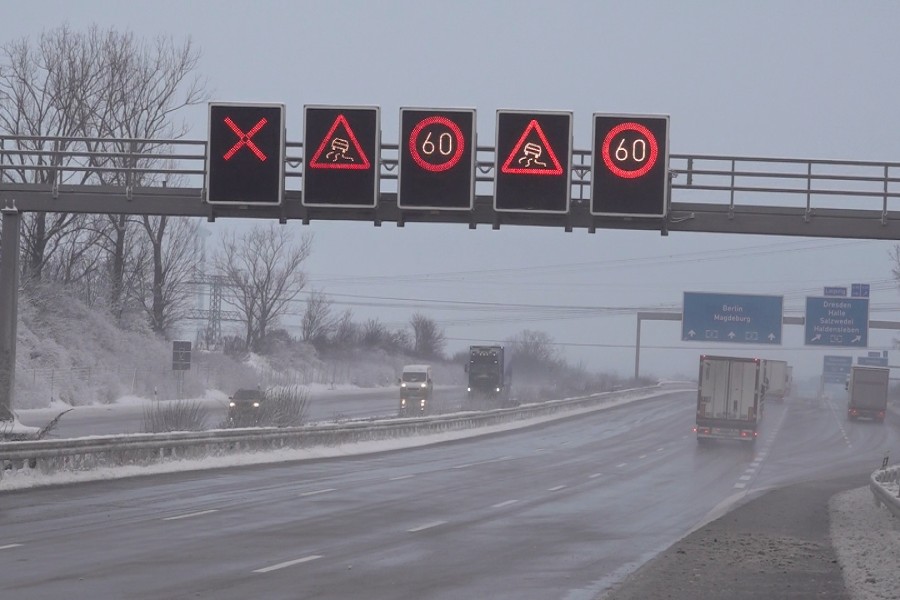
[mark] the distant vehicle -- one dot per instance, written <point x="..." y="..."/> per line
<point x="416" y="389"/>
<point x="488" y="380"/>
<point x="730" y="398"/>
<point x="244" y="407"/>
<point x="868" y="388"/>
<point x="776" y="375"/>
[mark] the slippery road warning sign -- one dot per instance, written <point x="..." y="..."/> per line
<point x="341" y="148"/>
<point x="536" y="153"/>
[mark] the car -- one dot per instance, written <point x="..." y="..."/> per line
<point x="244" y="407"/>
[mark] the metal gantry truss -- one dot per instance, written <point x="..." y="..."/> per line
<point x="712" y="194"/>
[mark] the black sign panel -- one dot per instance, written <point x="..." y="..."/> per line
<point x="532" y="170"/>
<point x="245" y="154"/>
<point x="437" y="159"/>
<point x="630" y="171"/>
<point x="181" y="356"/>
<point x="341" y="148"/>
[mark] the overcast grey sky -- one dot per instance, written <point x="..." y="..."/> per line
<point x="807" y="79"/>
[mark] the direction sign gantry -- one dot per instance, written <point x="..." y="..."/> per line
<point x="839" y="322"/>
<point x="532" y="169"/>
<point x="437" y="159"/>
<point x="732" y="318"/>
<point x="341" y="153"/>
<point x="245" y="154"/>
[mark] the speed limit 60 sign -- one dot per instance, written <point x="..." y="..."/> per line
<point x="630" y="170"/>
<point x="437" y="159"/>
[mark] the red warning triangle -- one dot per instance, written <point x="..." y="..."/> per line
<point x="340" y="149"/>
<point x="527" y="157"/>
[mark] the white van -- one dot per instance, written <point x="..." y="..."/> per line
<point x="416" y="385"/>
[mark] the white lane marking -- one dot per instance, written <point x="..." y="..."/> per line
<point x="740" y="486"/>
<point x="289" y="563"/>
<point x="642" y="457"/>
<point x="659" y="449"/>
<point x="484" y="462"/>
<point x="619" y="466"/>
<point x="595" y="475"/>
<point x="556" y="489"/>
<point x="745" y="477"/>
<point x="8" y="546"/>
<point x="754" y="464"/>
<point x="193" y="514"/>
<point x="401" y="477"/>
<point x="316" y="492"/>
<point x="426" y="526"/>
<point x="502" y="504"/>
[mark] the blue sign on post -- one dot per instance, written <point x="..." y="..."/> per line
<point x="837" y="322"/>
<point x="871" y="361"/>
<point x="836" y="369"/>
<point x="859" y="290"/>
<point x="737" y="318"/>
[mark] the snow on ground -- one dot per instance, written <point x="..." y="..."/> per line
<point x="867" y="541"/>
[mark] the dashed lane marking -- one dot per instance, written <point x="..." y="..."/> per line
<point x="317" y="492"/>
<point x="426" y="526"/>
<point x="193" y="514"/>
<point x="595" y="475"/>
<point x="289" y="563"/>
<point x="502" y="504"/>
<point x="556" y="489"/>
<point x="8" y="546"/>
<point x="401" y="477"/>
<point x="620" y="465"/>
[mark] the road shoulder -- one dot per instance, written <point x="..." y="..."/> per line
<point x="774" y="546"/>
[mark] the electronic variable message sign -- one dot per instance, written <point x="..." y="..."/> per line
<point x="532" y="172"/>
<point x="437" y="159"/>
<point x="341" y="148"/>
<point x="245" y="154"/>
<point x="630" y="166"/>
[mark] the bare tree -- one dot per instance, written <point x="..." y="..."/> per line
<point x="532" y="350"/>
<point x="429" y="340"/>
<point x="46" y="89"/>
<point x="346" y="332"/>
<point x="163" y="289"/>
<point x="262" y="266"/>
<point x="317" y="320"/>
<point x="97" y="83"/>
<point x="374" y="333"/>
<point x="145" y="84"/>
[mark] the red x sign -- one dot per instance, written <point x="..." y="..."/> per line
<point x="244" y="139"/>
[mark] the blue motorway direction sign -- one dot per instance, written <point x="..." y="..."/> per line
<point x="837" y="322"/>
<point x="836" y="369"/>
<point x="872" y="361"/>
<point x="738" y="318"/>
<point x="859" y="290"/>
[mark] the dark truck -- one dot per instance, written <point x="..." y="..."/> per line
<point x="868" y="390"/>
<point x="488" y="379"/>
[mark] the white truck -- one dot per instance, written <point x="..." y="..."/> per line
<point x="776" y="379"/>
<point x="868" y="389"/>
<point x="730" y="398"/>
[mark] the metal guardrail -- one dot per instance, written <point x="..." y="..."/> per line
<point x="882" y="495"/>
<point x="81" y="454"/>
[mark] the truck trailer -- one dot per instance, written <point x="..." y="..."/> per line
<point x="868" y="390"/>
<point x="730" y="398"/>
<point x="776" y="379"/>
